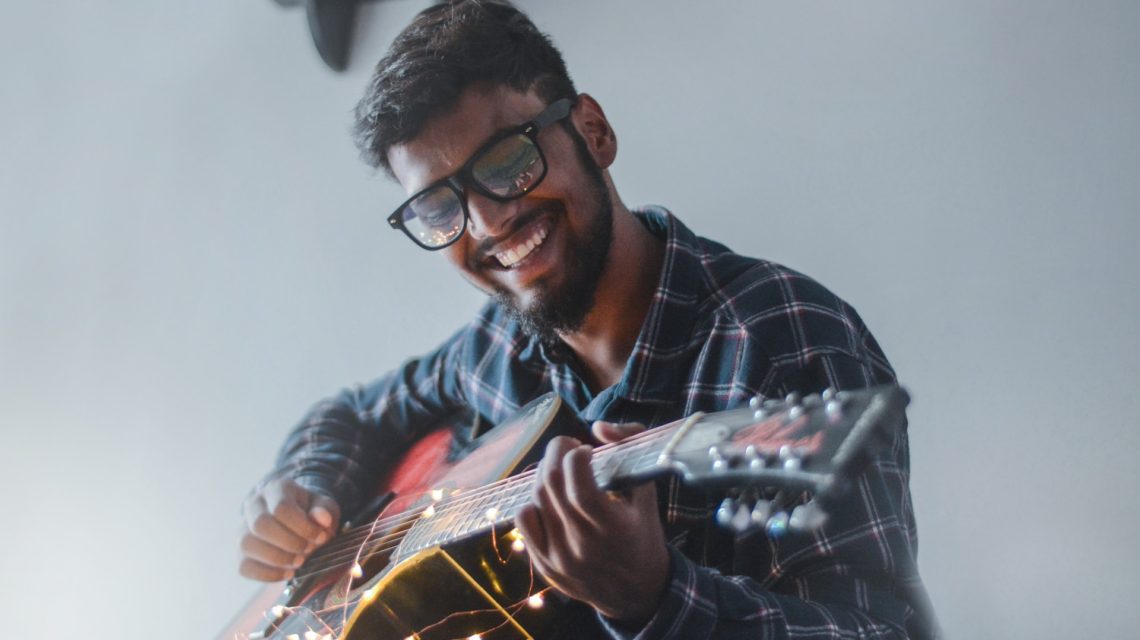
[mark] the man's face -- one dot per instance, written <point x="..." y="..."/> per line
<point x="541" y="255"/>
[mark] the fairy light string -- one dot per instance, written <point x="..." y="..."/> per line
<point x="449" y="517"/>
<point x="348" y="549"/>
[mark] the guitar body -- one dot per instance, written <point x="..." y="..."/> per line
<point x="482" y="584"/>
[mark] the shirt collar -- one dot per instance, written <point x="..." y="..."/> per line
<point x="655" y="371"/>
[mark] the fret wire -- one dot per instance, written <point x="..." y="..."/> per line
<point x="467" y="513"/>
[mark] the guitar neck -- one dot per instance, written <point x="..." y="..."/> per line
<point x="475" y="511"/>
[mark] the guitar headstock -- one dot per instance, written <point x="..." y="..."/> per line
<point x="817" y="444"/>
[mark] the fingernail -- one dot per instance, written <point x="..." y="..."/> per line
<point x="298" y="561"/>
<point x="322" y="538"/>
<point x="323" y="518"/>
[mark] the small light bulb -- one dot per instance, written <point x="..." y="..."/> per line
<point x="437" y="494"/>
<point x="430" y="511"/>
<point x="357" y="570"/>
<point x="492" y="513"/>
<point x="292" y="636"/>
<point x="278" y="611"/>
<point x="535" y="601"/>
<point x="312" y="635"/>
<point x="474" y="636"/>
<point x="518" y="546"/>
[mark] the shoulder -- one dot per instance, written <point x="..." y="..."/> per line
<point x="790" y="316"/>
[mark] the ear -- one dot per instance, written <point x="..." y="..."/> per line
<point x="595" y="129"/>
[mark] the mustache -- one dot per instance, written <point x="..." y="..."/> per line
<point x="483" y="251"/>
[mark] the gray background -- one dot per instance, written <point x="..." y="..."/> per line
<point x="190" y="254"/>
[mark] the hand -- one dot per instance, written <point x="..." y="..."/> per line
<point x="284" y="524"/>
<point x="604" y="548"/>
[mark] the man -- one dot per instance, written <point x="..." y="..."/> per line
<point x="630" y="317"/>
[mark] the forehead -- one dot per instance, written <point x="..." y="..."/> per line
<point x="448" y="140"/>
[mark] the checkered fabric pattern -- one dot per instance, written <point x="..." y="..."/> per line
<point x="722" y="328"/>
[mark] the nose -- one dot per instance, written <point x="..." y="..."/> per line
<point x="489" y="218"/>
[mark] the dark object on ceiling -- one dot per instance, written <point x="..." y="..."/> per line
<point x="330" y="22"/>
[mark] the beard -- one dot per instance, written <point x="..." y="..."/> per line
<point x="564" y="308"/>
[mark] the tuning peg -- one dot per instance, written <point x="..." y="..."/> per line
<point x="742" y="519"/>
<point x="828" y="394"/>
<point x="726" y="511"/>
<point x="760" y="512"/>
<point x="778" y="524"/>
<point x="834" y="406"/>
<point x="719" y="462"/>
<point x="807" y="517"/>
<point x="755" y="402"/>
<point x="790" y="458"/>
<point x="792" y="399"/>
<point x="755" y="460"/>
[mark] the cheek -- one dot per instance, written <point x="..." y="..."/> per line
<point x="457" y="254"/>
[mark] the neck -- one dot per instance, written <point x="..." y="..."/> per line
<point x="625" y="292"/>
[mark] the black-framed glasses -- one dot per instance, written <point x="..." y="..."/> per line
<point x="506" y="167"/>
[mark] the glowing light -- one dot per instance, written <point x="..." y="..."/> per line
<point x="429" y="512"/>
<point x="278" y="611"/>
<point x="357" y="571"/>
<point x="292" y="636"/>
<point x="492" y="513"/>
<point x="371" y="594"/>
<point x="515" y="534"/>
<point x="518" y="546"/>
<point x="312" y="635"/>
<point x="437" y="494"/>
<point x="474" y="636"/>
<point x="535" y="601"/>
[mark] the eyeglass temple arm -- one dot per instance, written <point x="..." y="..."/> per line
<point x="558" y="110"/>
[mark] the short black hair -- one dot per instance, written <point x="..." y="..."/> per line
<point x="448" y="48"/>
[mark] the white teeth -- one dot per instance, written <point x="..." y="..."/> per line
<point x="513" y="255"/>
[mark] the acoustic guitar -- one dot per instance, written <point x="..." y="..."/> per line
<point x="436" y="557"/>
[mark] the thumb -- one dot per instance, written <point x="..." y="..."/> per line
<point x="607" y="432"/>
<point x="324" y="511"/>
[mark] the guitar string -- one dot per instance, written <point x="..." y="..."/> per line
<point x="386" y="528"/>
<point x="465" y="497"/>
<point x="458" y="504"/>
<point x="638" y="451"/>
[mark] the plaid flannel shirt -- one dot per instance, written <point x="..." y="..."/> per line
<point x="722" y="328"/>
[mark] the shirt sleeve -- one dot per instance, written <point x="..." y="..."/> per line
<point x="341" y="447"/>
<point x="700" y="603"/>
<point x="847" y="579"/>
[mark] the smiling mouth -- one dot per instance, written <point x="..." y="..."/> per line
<point x="520" y="251"/>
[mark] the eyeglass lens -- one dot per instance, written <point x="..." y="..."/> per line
<point x="507" y="169"/>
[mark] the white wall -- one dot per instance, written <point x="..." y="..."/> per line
<point x="190" y="253"/>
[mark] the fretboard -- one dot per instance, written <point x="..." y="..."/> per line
<point x="475" y="511"/>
